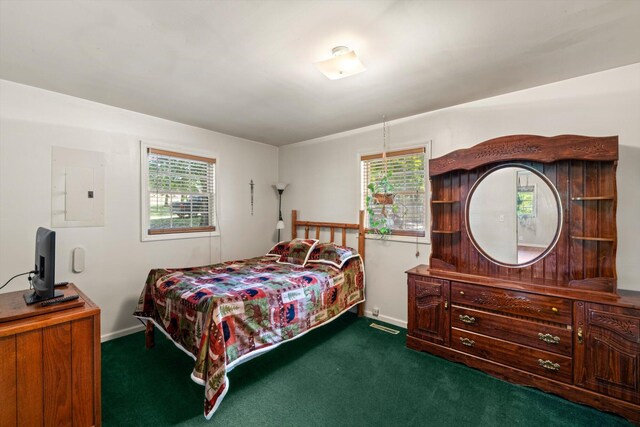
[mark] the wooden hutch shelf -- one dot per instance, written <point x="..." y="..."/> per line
<point x="442" y="202"/>
<point x="595" y="239"/>
<point x="586" y="199"/>
<point x="445" y="231"/>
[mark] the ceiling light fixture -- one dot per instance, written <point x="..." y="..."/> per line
<point x="344" y="63"/>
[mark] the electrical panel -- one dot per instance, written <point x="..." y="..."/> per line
<point x="77" y="193"/>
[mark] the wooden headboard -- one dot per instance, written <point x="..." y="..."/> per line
<point x="332" y="226"/>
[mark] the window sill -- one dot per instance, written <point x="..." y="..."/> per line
<point x="176" y="236"/>
<point x="400" y="239"/>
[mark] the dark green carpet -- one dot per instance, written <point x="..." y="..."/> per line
<point x="343" y="374"/>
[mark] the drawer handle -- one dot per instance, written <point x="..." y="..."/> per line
<point x="555" y="310"/>
<point x="461" y="292"/>
<point x="469" y="320"/>
<point x="548" y="364"/>
<point x="548" y="338"/>
<point x="467" y="342"/>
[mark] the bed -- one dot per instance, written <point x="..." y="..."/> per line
<point x="225" y="314"/>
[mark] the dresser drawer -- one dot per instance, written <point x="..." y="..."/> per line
<point x="556" y="339"/>
<point x="426" y="280"/>
<point x="542" y="307"/>
<point x="528" y="359"/>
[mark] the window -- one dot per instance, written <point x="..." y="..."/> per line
<point x="525" y="195"/>
<point x="406" y="174"/>
<point x="180" y="193"/>
<point x="526" y="201"/>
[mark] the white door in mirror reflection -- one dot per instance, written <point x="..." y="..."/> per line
<point x="514" y="215"/>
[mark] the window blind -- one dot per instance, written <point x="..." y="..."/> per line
<point x="181" y="190"/>
<point x="407" y="168"/>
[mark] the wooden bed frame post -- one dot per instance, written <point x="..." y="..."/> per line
<point x="361" y="236"/>
<point x="149" y="335"/>
<point x="294" y="220"/>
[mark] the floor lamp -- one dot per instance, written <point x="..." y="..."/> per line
<point x="280" y="225"/>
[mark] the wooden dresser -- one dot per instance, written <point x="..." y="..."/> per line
<point x="556" y="322"/>
<point x="49" y="362"/>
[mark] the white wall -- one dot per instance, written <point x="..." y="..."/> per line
<point x="324" y="178"/>
<point x="33" y="120"/>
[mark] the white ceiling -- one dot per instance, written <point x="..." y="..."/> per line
<point x="245" y="68"/>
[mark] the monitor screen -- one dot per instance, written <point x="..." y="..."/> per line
<point x="45" y="261"/>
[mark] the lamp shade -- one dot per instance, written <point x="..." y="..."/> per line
<point x="280" y="225"/>
<point x="281" y="186"/>
<point x="344" y="63"/>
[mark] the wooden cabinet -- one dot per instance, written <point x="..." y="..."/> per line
<point x="567" y="342"/>
<point x="494" y="324"/>
<point x="607" y="350"/>
<point x="50" y="364"/>
<point x="429" y="309"/>
<point x="557" y="322"/>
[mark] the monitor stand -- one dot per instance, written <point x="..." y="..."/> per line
<point x="35" y="298"/>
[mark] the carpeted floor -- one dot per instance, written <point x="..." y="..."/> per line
<point x="343" y="374"/>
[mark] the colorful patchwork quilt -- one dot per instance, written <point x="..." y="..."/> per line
<point x="225" y="314"/>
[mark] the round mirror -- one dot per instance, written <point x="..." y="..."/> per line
<point x="513" y="215"/>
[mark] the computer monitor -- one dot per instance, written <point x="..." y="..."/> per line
<point x="45" y="264"/>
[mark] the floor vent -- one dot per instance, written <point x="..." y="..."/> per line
<point x="384" y="329"/>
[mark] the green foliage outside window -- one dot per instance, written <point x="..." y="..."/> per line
<point x="403" y="178"/>
<point x="526" y="202"/>
<point x="379" y="221"/>
<point x="180" y="192"/>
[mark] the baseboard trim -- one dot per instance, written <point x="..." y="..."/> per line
<point x="387" y="319"/>
<point x="121" y="333"/>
